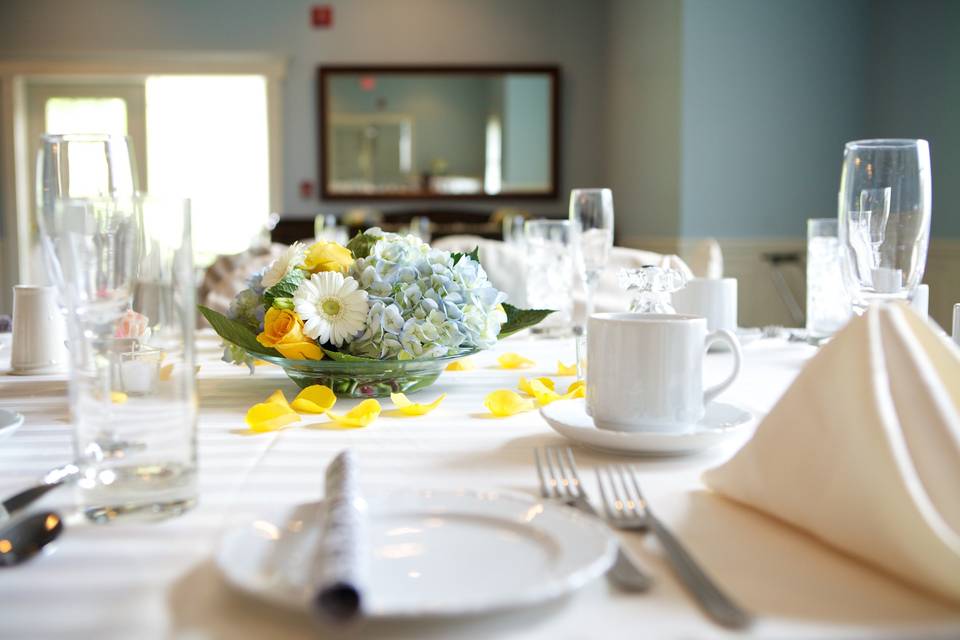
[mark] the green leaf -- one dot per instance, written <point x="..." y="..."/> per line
<point x="285" y="288"/>
<point x="520" y="319"/>
<point x="235" y="332"/>
<point x="473" y="255"/>
<point x="283" y="303"/>
<point x="339" y="356"/>
<point x="361" y="244"/>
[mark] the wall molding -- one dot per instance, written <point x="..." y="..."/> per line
<point x="759" y="302"/>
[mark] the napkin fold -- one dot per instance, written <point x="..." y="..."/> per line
<point x="339" y="562"/>
<point x="863" y="450"/>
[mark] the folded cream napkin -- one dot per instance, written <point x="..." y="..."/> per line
<point x="863" y="450"/>
<point x="339" y="563"/>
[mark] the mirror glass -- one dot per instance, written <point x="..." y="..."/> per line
<point x="435" y="134"/>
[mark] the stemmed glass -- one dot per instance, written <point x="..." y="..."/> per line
<point x="591" y="210"/>
<point x="73" y="166"/>
<point x="884" y="218"/>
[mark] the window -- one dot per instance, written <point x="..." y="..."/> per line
<point x="202" y="137"/>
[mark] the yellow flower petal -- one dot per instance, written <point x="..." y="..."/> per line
<point x="514" y="361"/>
<point x="526" y="385"/>
<point x="463" y="364"/>
<point x="543" y="394"/>
<point x="566" y="369"/>
<point x="504" y="402"/>
<point x="278" y="398"/>
<point x="300" y="350"/>
<point x="269" y="416"/>
<point x="360" y="416"/>
<point x="118" y="397"/>
<point x="166" y="371"/>
<point x="316" y="398"/>
<point x="409" y="408"/>
<point x="577" y="389"/>
<point x="260" y="363"/>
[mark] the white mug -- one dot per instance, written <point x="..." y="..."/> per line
<point x="38" y="332"/>
<point x="713" y="298"/>
<point x="646" y="370"/>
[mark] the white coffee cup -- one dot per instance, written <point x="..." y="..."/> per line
<point x="713" y="298"/>
<point x="646" y="370"/>
<point x="38" y="332"/>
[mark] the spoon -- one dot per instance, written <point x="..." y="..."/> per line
<point x="24" y="538"/>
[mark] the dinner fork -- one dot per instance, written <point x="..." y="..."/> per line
<point x="559" y="480"/>
<point x="626" y="508"/>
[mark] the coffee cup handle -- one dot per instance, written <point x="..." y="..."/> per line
<point x="722" y="335"/>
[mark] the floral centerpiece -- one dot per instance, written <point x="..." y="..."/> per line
<point x="382" y="314"/>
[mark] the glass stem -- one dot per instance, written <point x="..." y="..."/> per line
<point x="581" y="337"/>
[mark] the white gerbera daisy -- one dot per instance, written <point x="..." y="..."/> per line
<point x="283" y="265"/>
<point x="333" y="307"/>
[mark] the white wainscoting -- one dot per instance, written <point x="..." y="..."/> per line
<point x="759" y="302"/>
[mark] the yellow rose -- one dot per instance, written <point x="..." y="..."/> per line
<point x="281" y="326"/>
<point x="328" y="256"/>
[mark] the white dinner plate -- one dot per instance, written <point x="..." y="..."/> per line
<point x="720" y="421"/>
<point x="432" y="553"/>
<point x="10" y="421"/>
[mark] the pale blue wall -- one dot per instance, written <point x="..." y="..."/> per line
<point x="771" y="91"/>
<point x="570" y="33"/>
<point x="913" y="90"/>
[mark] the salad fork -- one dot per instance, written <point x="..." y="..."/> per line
<point x="559" y="480"/>
<point x="626" y="508"/>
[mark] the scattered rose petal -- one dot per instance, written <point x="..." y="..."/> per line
<point x="577" y="389"/>
<point x="504" y="402"/>
<point x="316" y="398"/>
<point x="118" y="397"/>
<point x="270" y="415"/>
<point x="278" y="397"/>
<point x="406" y="407"/>
<point x="360" y="416"/>
<point x="566" y="369"/>
<point x="463" y="364"/>
<point x="300" y="350"/>
<point x="526" y="385"/>
<point x="514" y="361"/>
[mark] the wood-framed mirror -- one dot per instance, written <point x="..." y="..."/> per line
<point x="439" y="132"/>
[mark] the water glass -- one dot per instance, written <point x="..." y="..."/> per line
<point x="884" y="218"/>
<point x="828" y="303"/>
<point x="550" y="273"/>
<point x="591" y="211"/>
<point x="125" y="271"/>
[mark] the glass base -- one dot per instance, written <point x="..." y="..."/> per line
<point x="553" y="332"/>
<point x="136" y="492"/>
<point x="366" y="386"/>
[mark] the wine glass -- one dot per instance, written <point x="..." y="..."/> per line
<point x="78" y="166"/>
<point x="591" y="210"/>
<point x="884" y="218"/>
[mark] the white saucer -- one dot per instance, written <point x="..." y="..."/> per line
<point x="569" y="418"/>
<point x="10" y="421"/>
<point x="432" y="553"/>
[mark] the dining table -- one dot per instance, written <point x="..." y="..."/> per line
<point x="158" y="579"/>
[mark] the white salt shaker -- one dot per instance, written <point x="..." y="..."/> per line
<point x="956" y="323"/>
<point x="38" y="332"/>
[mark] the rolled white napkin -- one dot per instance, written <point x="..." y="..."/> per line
<point x="339" y="563"/>
<point x="863" y="450"/>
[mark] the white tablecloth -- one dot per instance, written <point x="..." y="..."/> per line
<point x="157" y="580"/>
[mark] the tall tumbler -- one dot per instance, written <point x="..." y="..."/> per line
<point x="125" y="270"/>
<point x="828" y="303"/>
<point x="550" y="273"/>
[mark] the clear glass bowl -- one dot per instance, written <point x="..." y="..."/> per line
<point x="367" y="378"/>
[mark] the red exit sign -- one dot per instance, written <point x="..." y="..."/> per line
<point x="321" y="16"/>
